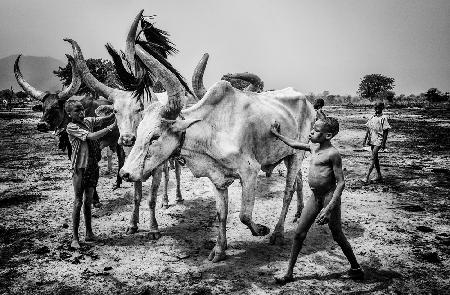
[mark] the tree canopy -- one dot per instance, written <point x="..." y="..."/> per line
<point x="102" y="70"/>
<point x="435" y="95"/>
<point x="375" y="86"/>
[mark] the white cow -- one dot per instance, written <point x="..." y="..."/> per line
<point x="225" y="136"/>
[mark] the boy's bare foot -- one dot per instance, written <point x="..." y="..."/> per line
<point x="90" y="238"/>
<point x="365" y="181"/>
<point x="97" y="205"/>
<point x="284" y="280"/>
<point x="75" y="244"/>
<point x="354" y="274"/>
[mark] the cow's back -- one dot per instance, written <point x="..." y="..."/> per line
<point x="242" y="121"/>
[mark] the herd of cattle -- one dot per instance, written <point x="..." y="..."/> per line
<point x="223" y="133"/>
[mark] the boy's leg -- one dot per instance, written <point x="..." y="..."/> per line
<point x="87" y="211"/>
<point x="372" y="163"/>
<point x="376" y="149"/>
<point x="77" y="203"/>
<point x="338" y="235"/>
<point x="309" y="214"/>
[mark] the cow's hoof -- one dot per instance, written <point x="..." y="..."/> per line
<point x="180" y="200"/>
<point x="277" y="239"/>
<point x="132" y="230"/>
<point x="216" y="255"/>
<point x="261" y="230"/>
<point x="154" y="235"/>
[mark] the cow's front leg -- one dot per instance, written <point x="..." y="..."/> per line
<point x="292" y="165"/>
<point x="154" y="233"/>
<point x="249" y="181"/>
<point x="133" y="228"/>
<point x="109" y="156"/>
<point x="218" y="252"/>
<point x="165" y="199"/>
<point x="177" y="177"/>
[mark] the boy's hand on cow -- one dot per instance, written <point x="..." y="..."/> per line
<point x="324" y="216"/>
<point x="112" y="126"/>
<point x="275" y="128"/>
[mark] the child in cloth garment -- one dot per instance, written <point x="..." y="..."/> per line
<point x="326" y="180"/>
<point x="376" y="136"/>
<point x="85" y="156"/>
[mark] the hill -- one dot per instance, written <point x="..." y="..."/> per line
<point x="37" y="70"/>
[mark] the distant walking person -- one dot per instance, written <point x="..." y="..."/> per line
<point x="376" y="136"/>
<point x="318" y="105"/>
<point x="85" y="156"/>
<point x="326" y="180"/>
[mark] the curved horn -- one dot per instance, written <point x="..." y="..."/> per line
<point x="130" y="50"/>
<point x="169" y="81"/>
<point x="74" y="85"/>
<point x="37" y="94"/>
<point x="197" y="77"/>
<point x="256" y="84"/>
<point x="88" y="78"/>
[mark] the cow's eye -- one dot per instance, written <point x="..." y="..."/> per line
<point x="115" y="111"/>
<point x="154" y="138"/>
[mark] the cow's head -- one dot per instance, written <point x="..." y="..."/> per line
<point x="160" y="132"/>
<point x="127" y="105"/>
<point x="52" y="103"/>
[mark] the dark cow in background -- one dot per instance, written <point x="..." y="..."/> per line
<point x="54" y="117"/>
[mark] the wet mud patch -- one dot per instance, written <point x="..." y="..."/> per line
<point x="8" y="199"/>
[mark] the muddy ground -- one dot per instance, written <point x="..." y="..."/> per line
<point x="399" y="229"/>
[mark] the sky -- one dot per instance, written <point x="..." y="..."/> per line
<point x="313" y="46"/>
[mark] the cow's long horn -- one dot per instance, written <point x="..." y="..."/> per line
<point x="30" y="90"/>
<point x="74" y="85"/>
<point x="197" y="77"/>
<point x="249" y="77"/>
<point x="169" y="81"/>
<point x="130" y="50"/>
<point x="88" y="78"/>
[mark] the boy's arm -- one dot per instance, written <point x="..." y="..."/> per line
<point x="100" y="121"/>
<point x="325" y="214"/>
<point x="385" y="135"/>
<point x="102" y="132"/>
<point x="290" y="142"/>
<point x="366" y="137"/>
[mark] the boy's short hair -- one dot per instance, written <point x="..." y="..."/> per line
<point x="379" y="104"/>
<point x="318" y="103"/>
<point x="68" y="107"/>
<point x="331" y="125"/>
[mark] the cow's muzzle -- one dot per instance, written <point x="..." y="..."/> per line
<point x="43" y="126"/>
<point x="127" y="140"/>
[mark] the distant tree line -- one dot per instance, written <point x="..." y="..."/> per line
<point x="371" y="87"/>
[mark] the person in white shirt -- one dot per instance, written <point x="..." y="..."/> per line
<point x="376" y="136"/>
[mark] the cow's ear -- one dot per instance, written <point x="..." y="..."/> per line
<point x="182" y="125"/>
<point x="104" y="110"/>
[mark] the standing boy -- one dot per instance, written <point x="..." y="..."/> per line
<point x="326" y="180"/>
<point x="376" y="136"/>
<point x="85" y="156"/>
